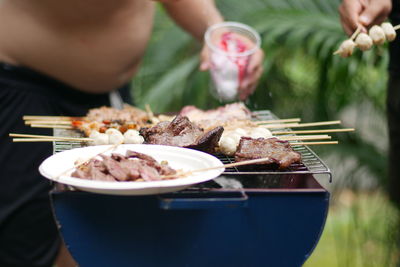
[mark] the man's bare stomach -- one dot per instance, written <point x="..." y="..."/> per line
<point x="92" y="45"/>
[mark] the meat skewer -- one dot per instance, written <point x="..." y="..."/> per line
<point x="377" y="35"/>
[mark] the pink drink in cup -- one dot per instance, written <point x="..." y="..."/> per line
<point x="231" y="46"/>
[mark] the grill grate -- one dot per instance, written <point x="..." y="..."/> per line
<point x="311" y="163"/>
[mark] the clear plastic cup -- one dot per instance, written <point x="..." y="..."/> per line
<point x="231" y="45"/>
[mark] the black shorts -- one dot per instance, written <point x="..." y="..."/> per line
<point x="28" y="233"/>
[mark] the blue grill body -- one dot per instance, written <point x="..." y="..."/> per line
<point x="256" y="226"/>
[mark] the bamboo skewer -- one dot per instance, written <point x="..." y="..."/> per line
<point x="48" y="122"/>
<point x="149" y="112"/>
<point x="304" y="137"/>
<point x="43" y="138"/>
<point x="229" y="165"/>
<point x="292" y="125"/>
<point x="315" y="131"/>
<point x="49" y="119"/>
<point x="26" y="140"/>
<point x="275" y="121"/>
<point x="357" y="31"/>
<point x="314" y="143"/>
<point x="51" y="126"/>
<point x="31" y="117"/>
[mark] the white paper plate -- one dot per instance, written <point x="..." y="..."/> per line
<point x="178" y="158"/>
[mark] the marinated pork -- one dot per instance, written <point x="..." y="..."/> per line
<point x="218" y="116"/>
<point x="183" y="133"/>
<point x="279" y="153"/>
<point x="134" y="166"/>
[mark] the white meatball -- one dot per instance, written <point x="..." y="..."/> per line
<point x="389" y="31"/>
<point x="346" y="48"/>
<point x="133" y="137"/>
<point x="235" y="136"/>
<point x="114" y="136"/>
<point x="241" y="132"/>
<point x="227" y="145"/>
<point x="364" y="42"/>
<point x="260" y="132"/>
<point x="226" y="133"/>
<point x="377" y="35"/>
<point x="99" y="139"/>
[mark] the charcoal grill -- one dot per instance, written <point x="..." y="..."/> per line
<point x="251" y="218"/>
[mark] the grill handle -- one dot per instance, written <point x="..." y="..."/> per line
<point x="220" y="201"/>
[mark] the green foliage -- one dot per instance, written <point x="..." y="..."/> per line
<point x="360" y="231"/>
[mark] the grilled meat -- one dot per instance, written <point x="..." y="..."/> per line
<point x="127" y="114"/>
<point x="183" y="133"/>
<point x="131" y="167"/>
<point x="279" y="154"/>
<point x="218" y="116"/>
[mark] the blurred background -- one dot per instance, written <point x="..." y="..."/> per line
<point x="301" y="79"/>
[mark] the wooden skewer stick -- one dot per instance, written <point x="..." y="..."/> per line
<point x="229" y="165"/>
<point x="275" y="121"/>
<point x="149" y="111"/>
<point x="396" y="27"/>
<point x="48" y="139"/>
<point x="34" y="136"/>
<point x="292" y="125"/>
<point x="304" y="137"/>
<point x="28" y="140"/>
<point x="48" y="122"/>
<point x="51" y="126"/>
<point x="315" y="131"/>
<point x="354" y="35"/>
<point x="280" y="125"/>
<point x="31" y="117"/>
<point x="314" y="143"/>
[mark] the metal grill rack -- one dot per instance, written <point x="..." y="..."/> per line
<point x="311" y="163"/>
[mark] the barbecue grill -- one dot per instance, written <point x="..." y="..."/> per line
<point x="242" y="218"/>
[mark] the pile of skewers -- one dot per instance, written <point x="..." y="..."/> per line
<point x="227" y="145"/>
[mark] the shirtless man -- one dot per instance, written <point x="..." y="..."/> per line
<point x="62" y="58"/>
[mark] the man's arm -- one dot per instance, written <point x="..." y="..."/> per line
<point x="195" y="16"/>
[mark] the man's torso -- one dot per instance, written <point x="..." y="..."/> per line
<point x="92" y="45"/>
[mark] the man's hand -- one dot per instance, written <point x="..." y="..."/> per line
<point x="253" y="72"/>
<point x="363" y="13"/>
